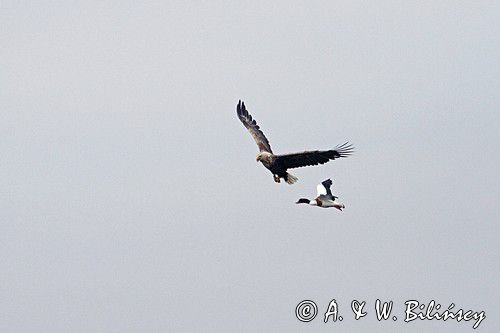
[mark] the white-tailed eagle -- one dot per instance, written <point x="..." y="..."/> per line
<point x="278" y="164"/>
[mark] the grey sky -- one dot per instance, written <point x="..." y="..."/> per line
<point x="130" y="196"/>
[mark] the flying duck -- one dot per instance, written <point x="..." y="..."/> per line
<point x="278" y="164"/>
<point x="325" y="198"/>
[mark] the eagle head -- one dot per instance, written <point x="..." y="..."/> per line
<point x="264" y="157"/>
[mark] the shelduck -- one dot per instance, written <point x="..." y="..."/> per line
<point x="325" y="198"/>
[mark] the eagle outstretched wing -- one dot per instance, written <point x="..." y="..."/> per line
<point x="253" y="128"/>
<point x="316" y="157"/>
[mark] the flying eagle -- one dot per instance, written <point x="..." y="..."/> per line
<point x="278" y="164"/>
<point x="325" y="198"/>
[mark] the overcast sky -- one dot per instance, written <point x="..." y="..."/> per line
<point x="131" y="200"/>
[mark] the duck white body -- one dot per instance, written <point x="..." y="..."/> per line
<point x="325" y="198"/>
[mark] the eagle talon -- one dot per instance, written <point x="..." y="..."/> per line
<point x="277" y="179"/>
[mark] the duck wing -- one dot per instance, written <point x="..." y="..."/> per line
<point x="324" y="188"/>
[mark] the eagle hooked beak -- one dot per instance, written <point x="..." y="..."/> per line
<point x="257" y="158"/>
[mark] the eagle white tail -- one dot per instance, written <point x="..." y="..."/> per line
<point x="290" y="179"/>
